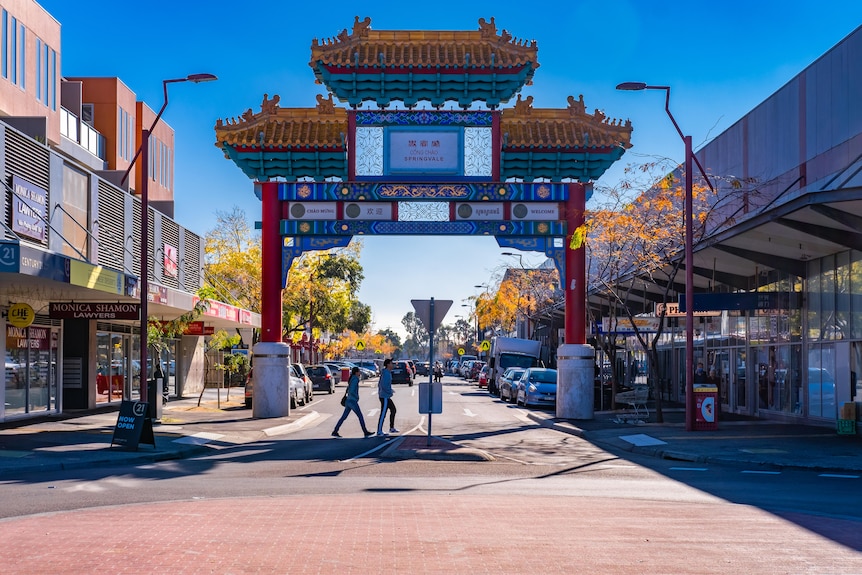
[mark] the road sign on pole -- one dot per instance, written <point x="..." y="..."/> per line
<point x="423" y="309"/>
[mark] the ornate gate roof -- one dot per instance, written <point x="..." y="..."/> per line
<point x="434" y="66"/>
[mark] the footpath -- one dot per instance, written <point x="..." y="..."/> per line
<point x="186" y="429"/>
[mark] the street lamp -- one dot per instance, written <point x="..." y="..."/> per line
<point x="689" y="250"/>
<point x="143" y="152"/>
<point x="519" y="256"/>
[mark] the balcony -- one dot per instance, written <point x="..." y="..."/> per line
<point x="82" y="133"/>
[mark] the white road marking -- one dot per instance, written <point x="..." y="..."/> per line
<point x="762" y="472"/>
<point x="838" y="476"/>
<point x="469" y="413"/>
<point x="689" y="469"/>
<point x="642" y="439"/>
<point x="293" y="426"/>
<point x="386" y="443"/>
<point x="199" y="438"/>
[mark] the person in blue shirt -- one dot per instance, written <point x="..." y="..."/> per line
<point x="351" y="403"/>
<point x="384" y="392"/>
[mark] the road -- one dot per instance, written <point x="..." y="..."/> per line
<point x="548" y="502"/>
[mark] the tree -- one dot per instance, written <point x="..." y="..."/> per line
<point x="636" y="237"/>
<point x="417" y="336"/>
<point x="321" y="293"/>
<point x="232" y="260"/>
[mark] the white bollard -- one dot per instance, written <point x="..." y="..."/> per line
<point x="271" y="393"/>
<point x="576" y="375"/>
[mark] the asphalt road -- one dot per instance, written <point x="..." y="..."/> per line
<point x="548" y="502"/>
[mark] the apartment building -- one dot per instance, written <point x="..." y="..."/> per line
<point x="70" y="235"/>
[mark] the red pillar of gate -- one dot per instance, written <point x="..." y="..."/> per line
<point x="270" y="275"/>
<point x="575" y="282"/>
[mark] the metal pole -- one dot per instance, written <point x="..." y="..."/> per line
<point x="144" y="271"/>
<point x="430" y="369"/>
<point x="689" y="290"/>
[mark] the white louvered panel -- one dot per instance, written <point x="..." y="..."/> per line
<point x="112" y="233"/>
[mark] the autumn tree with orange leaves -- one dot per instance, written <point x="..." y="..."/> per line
<point x="635" y="237"/>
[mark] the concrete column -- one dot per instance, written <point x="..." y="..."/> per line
<point x="271" y="395"/>
<point x="575" y="380"/>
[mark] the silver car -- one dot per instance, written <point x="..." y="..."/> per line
<point x="537" y="386"/>
<point x="508" y="384"/>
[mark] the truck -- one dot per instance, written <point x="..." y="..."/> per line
<point x="509" y="352"/>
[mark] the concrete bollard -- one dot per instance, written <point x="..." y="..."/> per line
<point x="576" y="375"/>
<point x="271" y="394"/>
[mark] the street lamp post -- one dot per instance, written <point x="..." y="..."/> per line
<point x="689" y="250"/>
<point x="143" y="287"/>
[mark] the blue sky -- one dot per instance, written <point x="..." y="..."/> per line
<point x="721" y="60"/>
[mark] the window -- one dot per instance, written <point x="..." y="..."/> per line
<point x="5" y="48"/>
<point x="22" y="55"/>
<point x="76" y="203"/>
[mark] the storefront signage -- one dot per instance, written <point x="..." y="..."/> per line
<point x="645" y="324"/>
<point x="27" y="337"/>
<point x="39" y="263"/>
<point x="29" y="206"/>
<point x="430" y="151"/>
<point x="671" y="309"/>
<point x="198" y="328"/>
<point x="133" y="426"/>
<point x="171" y="266"/>
<point x="94" y="310"/>
<point x="743" y="301"/>
<point x="21" y="315"/>
<point x="10" y="257"/>
<point x="95" y="277"/>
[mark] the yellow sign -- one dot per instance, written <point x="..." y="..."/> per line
<point x="95" y="277"/>
<point x="21" y="315"/>
<point x="461" y="351"/>
<point x="360" y="345"/>
<point x="485" y="345"/>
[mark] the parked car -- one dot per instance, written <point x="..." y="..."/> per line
<point x="321" y="378"/>
<point x="423" y="368"/>
<point x="335" y="368"/>
<point x="508" y="383"/>
<point x="368" y="364"/>
<point x="537" y="386"/>
<point x="401" y="372"/>
<point x="482" y="378"/>
<point x="300" y="372"/>
<point x="475" y="368"/>
<point x="296" y="390"/>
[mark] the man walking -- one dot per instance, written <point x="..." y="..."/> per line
<point x="384" y="392"/>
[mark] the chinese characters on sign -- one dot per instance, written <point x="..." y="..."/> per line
<point x="437" y="151"/>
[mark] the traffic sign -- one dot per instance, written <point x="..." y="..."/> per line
<point x="461" y="351"/>
<point x="360" y="345"/>
<point x="424" y="308"/>
<point x="485" y="345"/>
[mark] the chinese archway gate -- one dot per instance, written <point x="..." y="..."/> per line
<point x="521" y="173"/>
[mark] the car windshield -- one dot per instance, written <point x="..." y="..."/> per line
<point x="549" y="376"/>
<point x="515" y="374"/>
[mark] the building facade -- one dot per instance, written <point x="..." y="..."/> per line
<point x="70" y="235"/>
<point x="778" y="279"/>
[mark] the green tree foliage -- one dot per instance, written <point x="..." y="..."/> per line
<point x="321" y="292"/>
<point x="232" y="260"/>
<point x="417" y="336"/>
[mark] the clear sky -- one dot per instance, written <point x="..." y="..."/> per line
<point x="720" y="58"/>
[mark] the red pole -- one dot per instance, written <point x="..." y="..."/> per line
<point x="270" y="289"/>
<point x="575" y="282"/>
